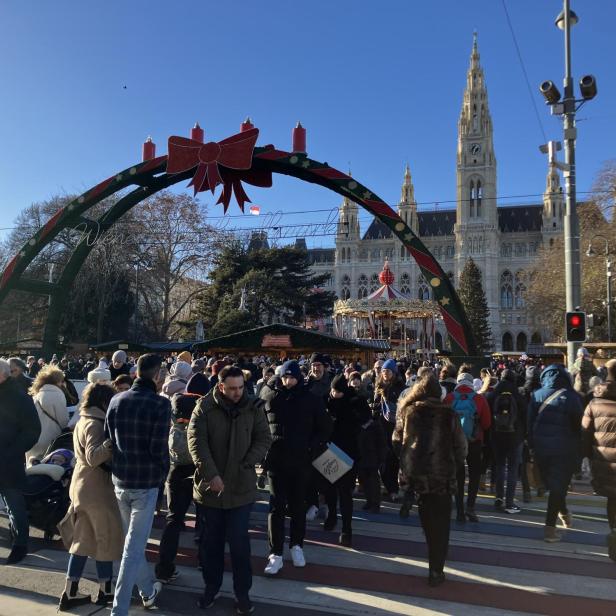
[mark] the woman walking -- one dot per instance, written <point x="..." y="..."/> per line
<point x="349" y="412"/>
<point x="554" y="435"/>
<point x="599" y="445"/>
<point x="50" y="403"/>
<point x="389" y="386"/>
<point x="432" y="446"/>
<point x="92" y="527"/>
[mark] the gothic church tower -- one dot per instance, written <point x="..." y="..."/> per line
<point x="407" y="208"/>
<point x="476" y="229"/>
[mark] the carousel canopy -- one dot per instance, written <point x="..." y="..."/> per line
<point x="387" y="301"/>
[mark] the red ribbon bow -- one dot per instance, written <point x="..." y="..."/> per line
<point x="228" y="162"/>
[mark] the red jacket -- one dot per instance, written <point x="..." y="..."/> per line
<point x="483" y="408"/>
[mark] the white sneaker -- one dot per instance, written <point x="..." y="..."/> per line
<point x="274" y="565"/>
<point x="149" y="601"/>
<point x="297" y="554"/>
<point x="311" y="514"/>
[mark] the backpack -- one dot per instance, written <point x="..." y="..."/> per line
<point x="178" y="444"/>
<point x="466" y="408"/>
<point x="505" y="412"/>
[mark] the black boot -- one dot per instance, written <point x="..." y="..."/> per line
<point x="330" y="522"/>
<point x="346" y="539"/>
<point x="436" y="578"/>
<point x="105" y="597"/>
<point x="72" y="599"/>
<point x="18" y="553"/>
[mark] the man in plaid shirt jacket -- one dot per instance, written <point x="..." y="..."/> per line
<point x="138" y="423"/>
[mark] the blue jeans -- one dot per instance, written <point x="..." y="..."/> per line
<point x="137" y="512"/>
<point x="18" y="515"/>
<point x="76" y="564"/>
<point x="227" y="525"/>
<point x="507" y="455"/>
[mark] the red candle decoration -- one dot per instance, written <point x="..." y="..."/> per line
<point x="196" y="133"/>
<point x="149" y="150"/>
<point x="299" y="139"/>
<point x="246" y="125"/>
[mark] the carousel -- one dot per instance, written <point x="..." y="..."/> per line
<point x="408" y="325"/>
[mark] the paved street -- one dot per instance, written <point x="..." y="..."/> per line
<point x="499" y="566"/>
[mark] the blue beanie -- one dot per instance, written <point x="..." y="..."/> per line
<point x="390" y="364"/>
<point x="291" y="368"/>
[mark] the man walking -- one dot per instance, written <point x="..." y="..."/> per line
<point x="300" y="427"/>
<point x="227" y="436"/>
<point x="20" y="429"/>
<point x="137" y="423"/>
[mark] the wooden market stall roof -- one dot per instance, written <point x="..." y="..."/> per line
<point x="144" y="347"/>
<point x="280" y="337"/>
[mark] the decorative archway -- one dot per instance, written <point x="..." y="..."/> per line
<point x="229" y="162"/>
<point x="507" y="342"/>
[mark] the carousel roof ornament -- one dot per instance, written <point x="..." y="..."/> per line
<point x="387" y="292"/>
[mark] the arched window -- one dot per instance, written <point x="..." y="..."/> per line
<point x="423" y="290"/>
<point x="346" y="287"/>
<point x="471" y="199"/>
<point x="506" y="286"/>
<point x="520" y="290"/>
<point x="535" y="338"/>
<point x="521" y="342"/>
<point x="478" y="197"/>
<point x="507" y="342"/>
<point x="405" y="284"/>
<point x="374" y="283"/>
<point x="362" y="286"/>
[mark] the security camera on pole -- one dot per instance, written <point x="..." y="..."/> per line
<point x="567" y="107"/>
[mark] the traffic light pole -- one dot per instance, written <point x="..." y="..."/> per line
<point x="571" y="223"/>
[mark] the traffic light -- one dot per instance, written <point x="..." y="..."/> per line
<point x="575" y="326"/>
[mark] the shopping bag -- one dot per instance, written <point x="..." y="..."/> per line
<point x="333" y="463"/>
<point x="534" y="476"/>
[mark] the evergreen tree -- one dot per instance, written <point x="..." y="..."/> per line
<point x="276" y="284"/>
<point x="473" y="299"/>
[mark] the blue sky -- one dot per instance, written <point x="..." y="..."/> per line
<point x="375" y="83"/>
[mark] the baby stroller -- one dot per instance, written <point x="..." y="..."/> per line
<point x="47" y="485"/>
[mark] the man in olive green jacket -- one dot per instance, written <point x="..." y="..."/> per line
<point x="228" y="434"/>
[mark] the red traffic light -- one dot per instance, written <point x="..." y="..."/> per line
<point x="575" y="326"/>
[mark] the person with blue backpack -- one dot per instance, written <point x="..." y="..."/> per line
<point x="475" y="418"/>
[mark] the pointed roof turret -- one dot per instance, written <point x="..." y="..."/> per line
<point x="407" y="196"/>
<point x="475" y="51"/>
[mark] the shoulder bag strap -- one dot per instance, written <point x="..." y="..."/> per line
<point x="50" y="417"/>
<point x="550" y="399"/>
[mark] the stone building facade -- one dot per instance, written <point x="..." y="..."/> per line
<point x="503" y="241"/>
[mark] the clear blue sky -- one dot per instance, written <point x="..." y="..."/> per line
<point x="375" y="83"/>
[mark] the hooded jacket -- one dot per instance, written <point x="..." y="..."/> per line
<point x="599" y="438"/>
<point x="556" y="430"/>
<point x="429" y="440"/>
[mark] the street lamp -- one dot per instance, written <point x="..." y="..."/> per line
<point x="567" y="107"/>
<point x="608" y="268"/>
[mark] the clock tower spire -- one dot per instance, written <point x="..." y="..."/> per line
<point x="476" y="163"/>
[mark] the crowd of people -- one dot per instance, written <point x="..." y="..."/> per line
<point x="196" y="429"/>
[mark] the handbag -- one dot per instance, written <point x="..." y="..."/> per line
<point x="333" y="463"/>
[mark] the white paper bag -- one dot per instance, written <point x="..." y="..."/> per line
<point x="333" y="463"/>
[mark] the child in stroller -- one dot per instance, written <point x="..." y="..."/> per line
<point x="47" y="485"/>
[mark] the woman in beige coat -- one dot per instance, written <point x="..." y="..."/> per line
<point x="92" y="527"/>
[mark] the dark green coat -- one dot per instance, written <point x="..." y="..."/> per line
<point x="20" y="429"/>
<point x="227" y="439"/>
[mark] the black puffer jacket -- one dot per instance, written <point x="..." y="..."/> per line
<point x="299" y="425"/>
<point x="20" y="429"/>
<point x="348" y="414"/>
<point x="599" y="438"/>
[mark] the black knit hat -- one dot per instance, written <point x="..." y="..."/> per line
<point x="339" y="383"/>
<point x="318" y="358"/>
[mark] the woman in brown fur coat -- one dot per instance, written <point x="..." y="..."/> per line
<point x="431" y="446"/>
